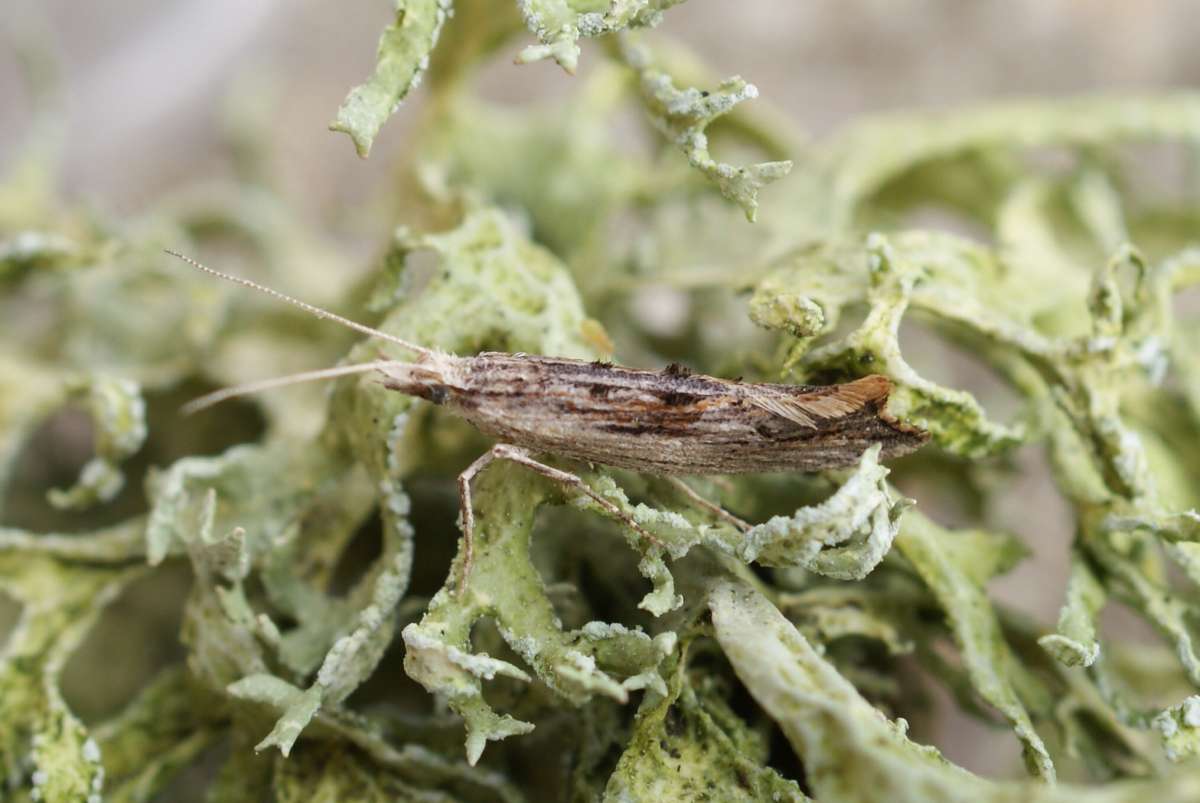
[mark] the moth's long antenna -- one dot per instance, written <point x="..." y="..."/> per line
<point x="218" y="396"/>
<point x="317" y="311"/>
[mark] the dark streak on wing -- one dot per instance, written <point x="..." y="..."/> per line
<point x="675" y="398"/>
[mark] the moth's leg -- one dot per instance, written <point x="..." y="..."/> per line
<point x="521" y="457"/>
<point x="711" y="507"/>
<point x="468" y="511"/>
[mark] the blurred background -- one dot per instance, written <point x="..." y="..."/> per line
<point x="143" y="92"/>
<point x="144" y="83"/>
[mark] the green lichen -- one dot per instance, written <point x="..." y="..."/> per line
<point x="405" y="49"/>
<point x="1076" y="641"/>
<point x="688" y="744"/>
<point x="682" y="115"/>
<point x="945" y="565"/>
<point x="852" y="752"/>
<point x="560" y="24"/>
<point x="1178" y="725"/>
<point x="403" y="56"/>
<point x="118" y="412"/>
<point x="299" y="547"/>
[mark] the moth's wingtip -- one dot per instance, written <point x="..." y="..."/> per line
<point x="875" y="389"/>
<point x="903" y="438"/>
<point x="916" y="436"/>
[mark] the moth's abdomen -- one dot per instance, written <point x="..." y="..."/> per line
<point x="674" y="422"/>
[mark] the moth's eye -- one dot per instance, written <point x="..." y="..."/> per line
<point x="438" y="394"/>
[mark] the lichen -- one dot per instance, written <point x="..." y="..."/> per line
<point x="401" y="60"/>
<point x="682" y="115"/>
<point x="852" y="751"/>
<point x="329" y="642"/>
<point x="560" y="24"/>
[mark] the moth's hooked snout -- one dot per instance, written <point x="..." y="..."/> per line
<point x="424" y="379"/>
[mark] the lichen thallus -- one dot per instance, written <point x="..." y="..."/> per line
<point x="670" y="423"/>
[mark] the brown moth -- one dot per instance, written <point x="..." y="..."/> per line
<point x="671" y="422"/>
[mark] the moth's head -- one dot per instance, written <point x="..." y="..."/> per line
<point x="433" y="376"/>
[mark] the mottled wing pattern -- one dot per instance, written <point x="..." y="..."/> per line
<point x="673" y="421"/>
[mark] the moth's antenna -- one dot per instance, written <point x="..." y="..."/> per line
<point x="317" y="311"/>
<point x="218" y="396"/>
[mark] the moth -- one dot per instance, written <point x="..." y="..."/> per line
<point x="669" y="423"/>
